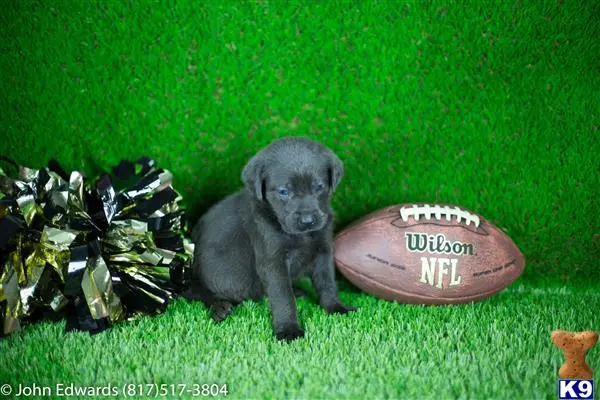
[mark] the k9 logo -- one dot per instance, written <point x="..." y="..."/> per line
<point x="572" y="389"/>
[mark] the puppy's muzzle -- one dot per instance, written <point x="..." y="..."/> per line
<point x="307" y="220"/>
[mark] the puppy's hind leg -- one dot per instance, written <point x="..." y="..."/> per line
<point x="219" y="309"/>
<point x="197" y="291"/>
<point x="300" y="292"/>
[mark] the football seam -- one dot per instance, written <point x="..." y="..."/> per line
<point x="467" y="298"/>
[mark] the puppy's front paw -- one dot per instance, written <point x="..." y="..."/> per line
<point x="289" y="332"/>
<point x="339" y="308"/>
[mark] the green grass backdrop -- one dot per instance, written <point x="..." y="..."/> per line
<point x="490" y="105"/>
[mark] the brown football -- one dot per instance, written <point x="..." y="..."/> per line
<point x="427" y="254"/>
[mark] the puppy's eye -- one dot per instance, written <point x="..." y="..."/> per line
<point x="283" y="192"/>
<point x="319" y="188"/>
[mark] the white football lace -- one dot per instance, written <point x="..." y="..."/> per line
<point x="437" y="211"/>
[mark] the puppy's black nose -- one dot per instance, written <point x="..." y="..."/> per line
<point x="307" y="219"/>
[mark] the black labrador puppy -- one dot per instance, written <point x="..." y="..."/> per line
<point x="263" y="238"/>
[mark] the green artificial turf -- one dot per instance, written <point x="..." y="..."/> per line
<point x="499" y="348"/>
<point x="490" y="105"/>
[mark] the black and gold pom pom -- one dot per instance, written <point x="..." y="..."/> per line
<point x="95" y="253"/>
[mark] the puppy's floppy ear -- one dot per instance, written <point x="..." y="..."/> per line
<point x="335" y="170"/>
<point x="253" y="176"/>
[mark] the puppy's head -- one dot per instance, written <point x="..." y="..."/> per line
<point x="295" y="177"/>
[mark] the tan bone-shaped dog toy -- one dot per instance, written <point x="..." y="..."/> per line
<point x="575" y="346"/>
